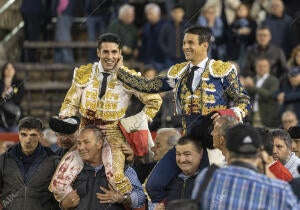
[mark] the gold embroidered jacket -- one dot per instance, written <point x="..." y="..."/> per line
<point x="83" y="96"/>
<point x="219" y="84"/>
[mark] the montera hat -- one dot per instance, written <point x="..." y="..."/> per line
<point x="66" y="125"/>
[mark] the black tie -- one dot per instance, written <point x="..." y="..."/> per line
<point x="189" y="82"/>
<point x="103" y="84"/>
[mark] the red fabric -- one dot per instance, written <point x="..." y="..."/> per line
<point x="227" y="112"/>
<point x="9" y="137"/>
<point x="138" y="140"/>
<point x="280" y="171"/>
<point x="153" y="134"/>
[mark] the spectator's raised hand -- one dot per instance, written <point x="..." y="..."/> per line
<point x="280" y="98"/>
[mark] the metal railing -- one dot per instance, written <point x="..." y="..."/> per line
<point x="6" y="6"/>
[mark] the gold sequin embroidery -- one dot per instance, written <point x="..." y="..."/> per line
<point x="220" y="68"/>
<point x="83" y="74"/>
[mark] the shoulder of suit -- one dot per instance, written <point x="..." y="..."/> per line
<point x="218" y="68"/>
<point x="131" y="71"/>
<point x="84" y="74"/>
<point x="177" y="70"/>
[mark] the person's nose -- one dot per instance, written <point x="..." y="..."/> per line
<point x="274" y="150"/>
<point x="80" y="147"/>
<point x="27" y="139"/>
<point x="181" y="158"/>
<point x="110" y="55"/>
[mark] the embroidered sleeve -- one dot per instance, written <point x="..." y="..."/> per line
<point x="156" y="85"/>
<point x="71" y="102"/>
<point x="237" y="93"/>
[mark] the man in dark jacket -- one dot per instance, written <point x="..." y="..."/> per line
<point x="189" y="153"/>
<point x="91" y="187"/>
<point x="26" y="170"/>
<point x="264" y="48"/>
<point x="261" y="89"/>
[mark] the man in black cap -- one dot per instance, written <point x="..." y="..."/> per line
<point x="240" y="185"/>
<point x="65" y="131"/>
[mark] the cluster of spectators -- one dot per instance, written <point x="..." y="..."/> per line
<point x="257" y="168"/>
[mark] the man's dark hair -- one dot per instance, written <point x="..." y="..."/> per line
<point x="96" y="131"/>
<point x="283" y="135"/>
<point x="30" y="123"/>
<point x="109" y="37"/>
<point x="178" y="6"/>
<point x="204" y="33"/>
<point x="189" y="139"/>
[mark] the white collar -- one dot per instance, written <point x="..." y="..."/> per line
<point x="263" y="77"/>
<point x="202" y="64"/>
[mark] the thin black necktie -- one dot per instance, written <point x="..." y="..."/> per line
<point x="103" y="84"/>
<point x="190" y="78"/>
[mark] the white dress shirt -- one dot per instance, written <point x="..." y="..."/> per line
<point x="198" y="73"/>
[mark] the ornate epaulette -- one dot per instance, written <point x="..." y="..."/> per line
<point x="177" y="70"/>
<point x="83" y="75"/>
<point x="220" y="69"/>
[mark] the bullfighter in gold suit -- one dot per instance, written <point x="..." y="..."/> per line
<point x="102" y="100"/>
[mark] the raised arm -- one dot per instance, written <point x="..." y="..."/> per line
<point x="135" y="81"/>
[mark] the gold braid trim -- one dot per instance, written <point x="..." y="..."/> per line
<point x="176" y="70"/>
<point x="84" y="74"/>
<point x="219" y="68"/>
<point x="139" y="83"/>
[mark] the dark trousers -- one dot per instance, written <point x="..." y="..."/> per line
<point x="33" y="24"/>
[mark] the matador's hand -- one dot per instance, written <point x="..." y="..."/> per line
<point x="119" y="64"/>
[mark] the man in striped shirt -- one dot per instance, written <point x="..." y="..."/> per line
<point x="240" y="185"/>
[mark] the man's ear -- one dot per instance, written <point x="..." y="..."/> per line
<point x="98" y="52"/>
<point x="222" y="141"/>
<point x="205" y="44"/>
<point x="99" y="143"/>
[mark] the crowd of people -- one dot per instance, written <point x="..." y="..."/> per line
<point x="237" y="146"/>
